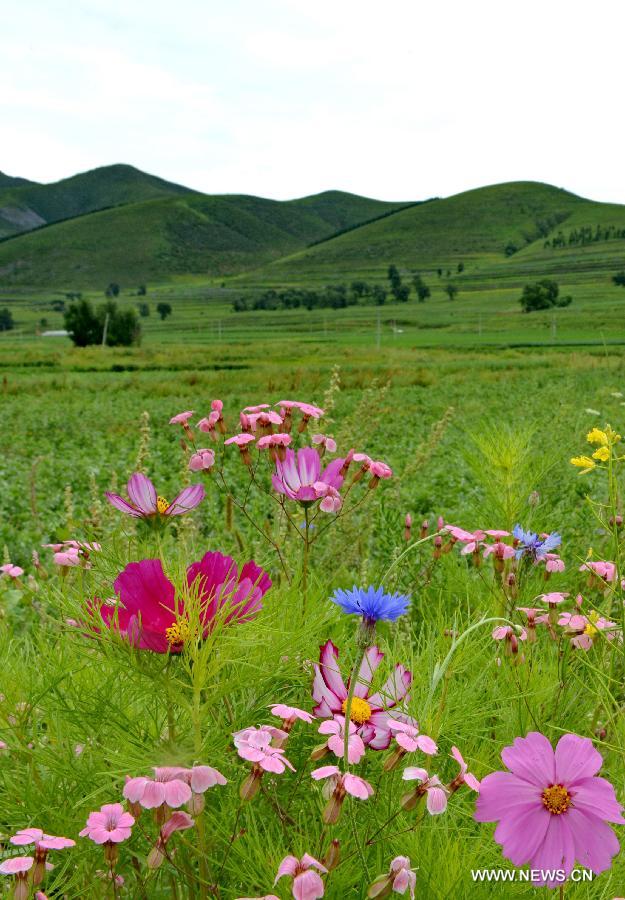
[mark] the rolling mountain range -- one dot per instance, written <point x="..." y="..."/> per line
<point x="120" y="224"/>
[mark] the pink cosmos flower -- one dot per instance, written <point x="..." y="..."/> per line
<point x="336" y="787"/>
<point x="150" y="616"/>
<point x="551" y="808"/>
<point x="511" y="636"/>
<point x="553" y="563"/>
<point x="463" y="777"/>
<point x="307" y="884"/>
<point x="378" y="470"/>
<point x="369" y="709"/>
<point x="276" y="444"/>
<point x="242" y="441"/>
<point x="584" y="629"/>
<point x="500" y="550"/>
<point x="534" y="617"/>
<point x="553" y="598"/>
<point x="325" y="442"/>
<point x="11" y="571"/>
<point x="299" y="476"/>
<point x="182" y="418"/>
<point x="409" y="739"/>
<point x="336" y="742"/>
<point x="209" y="423"/>
<point x="256" y="409"/>
<point x="42" y="841"/>
<point x="606" y="571"/>
<point x="19" y="866"/>
<point x="143" y="502"/>
<point x="168" y="786"/>
<point x="110" y="825"/>
<point x="290" y="714"/>
<point x="399" y="879"/>
<point x="430" y="785"/>
<point x="465" y="537"/>
<point x="201" y="460"/>
<point x="73" y="553"/>
<point x="43" y="844"/>
<point x="257" y="746"/>
<point x="178" y="821"/>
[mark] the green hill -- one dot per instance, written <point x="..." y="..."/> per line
<point x="8" y="181"/>
<point x="496" y="233"/>
<point x="27" y="206"/>
<point x="195" y="234"/>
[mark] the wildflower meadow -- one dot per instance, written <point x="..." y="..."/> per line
<point x="356" y="632"/>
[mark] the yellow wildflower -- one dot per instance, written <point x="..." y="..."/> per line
<point x="583" y="462"/>
<point x="596" y="436"/>
<point x="602" y="454"/>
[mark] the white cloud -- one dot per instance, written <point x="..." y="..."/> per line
<point x="287" y="97"/>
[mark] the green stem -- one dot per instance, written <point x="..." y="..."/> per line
<point x="171" y="726"/>
<point x="305" y="558"/>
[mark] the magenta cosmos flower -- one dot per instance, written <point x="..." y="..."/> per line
<point x="307" y="884"/>
<point x="551" y="808"/>
<point x="369" y="709"/>
<point x="299" y="477"/>
<point x="151" y="616"/>
<point x="144" y="503"/>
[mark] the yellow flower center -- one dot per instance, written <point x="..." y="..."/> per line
<point x="162" y="505"/>
<point x="593" y="616"/>
<point x="179" y="632"/>
<point x="590" y="630"/>
<point x="556" y="799"/>
<point x="359" y="712"/>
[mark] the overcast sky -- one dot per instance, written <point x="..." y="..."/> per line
<point x="401" y="100"/>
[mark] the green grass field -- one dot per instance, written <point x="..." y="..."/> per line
<point x="476" y="407"/>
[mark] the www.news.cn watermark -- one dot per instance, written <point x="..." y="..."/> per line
<point x="533" y="876"/>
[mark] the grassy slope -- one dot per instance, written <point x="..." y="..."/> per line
<point x="10" y="181"/>
<point x="197" y="234"/>
<point x="83" y="193"/>
<point x="472" y="228"/>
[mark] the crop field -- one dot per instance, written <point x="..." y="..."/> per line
<point x="115" y="663"/>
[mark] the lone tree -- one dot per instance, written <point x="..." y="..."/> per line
<point x="451" y="290"/>
<point x="421" y="288"/>
<point x="6" y="319"/>
<point x="543" y="294"/>
<point x="144" y="310"/>
<point x="619" y="278"/>
<point x="86" y="325"/>
<point x="164" y="310"/>
<point x="112" y="290"/>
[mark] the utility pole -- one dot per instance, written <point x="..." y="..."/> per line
<point x="106" y="328"/>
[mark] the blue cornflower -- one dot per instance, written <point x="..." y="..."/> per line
<point x="533" y="546"/>
<point x="371" y="603"/>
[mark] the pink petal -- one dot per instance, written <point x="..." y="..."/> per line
<point x="522" y="831"/>
<point x="436" y="801"/>
<point x="576" y="758"/>
<point x="176" y="793"/>
<point x="186" y="500"/>
<point x="557" y="850"/>
<point x="372" y="659"/>
<point x="595" y="842"/>
<point x="531" y="758"/>
<point x="393" y="690"/>
<point x="122" y="505"/>
<point x="153" y="795"/>
<point x="596" y="796"/>
<point x="330" y="672"/>
<point x="205" y="777"/>
<point x="142" y="493"/>
<point x="500" y="792"/>
<point x="308" y="886"/>
<point x="288" y="866"/>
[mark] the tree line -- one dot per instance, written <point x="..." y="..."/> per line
<point x="340" y="296"/>
<point x="585" y="235"/>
